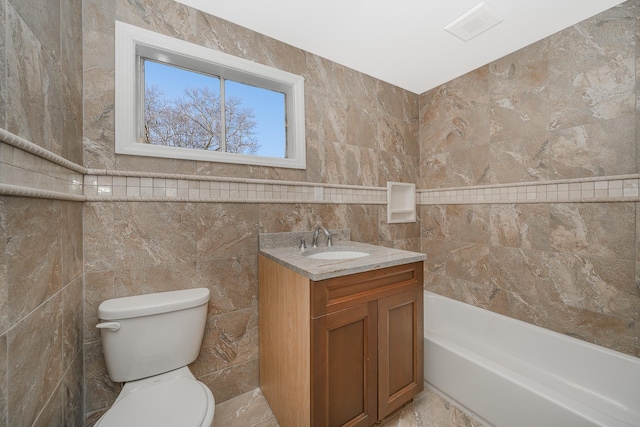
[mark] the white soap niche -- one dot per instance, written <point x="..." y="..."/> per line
<point x="401" y="202"/>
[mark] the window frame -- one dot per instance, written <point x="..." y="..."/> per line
<point x="133" y="42"/>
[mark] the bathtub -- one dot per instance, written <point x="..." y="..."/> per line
<point x="509" y="373"/>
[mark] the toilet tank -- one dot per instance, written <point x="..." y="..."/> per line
<point x="146" y="335"/>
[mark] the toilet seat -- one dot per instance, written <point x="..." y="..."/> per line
<point x="178" y="401"/>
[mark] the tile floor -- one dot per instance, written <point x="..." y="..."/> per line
<point x="428" y="409"/>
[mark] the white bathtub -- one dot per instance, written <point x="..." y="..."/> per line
<point x="510" y="373"/>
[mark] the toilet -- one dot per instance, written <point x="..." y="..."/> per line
<point x="148" y="341"/>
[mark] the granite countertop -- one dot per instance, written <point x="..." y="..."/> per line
<point x="315" y="269"/>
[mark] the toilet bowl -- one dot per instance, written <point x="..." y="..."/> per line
<point x="148" y="341"/>
<point x="171" y="399"/>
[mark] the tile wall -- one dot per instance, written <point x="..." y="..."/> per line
<point x="529" y="183"/>
<point x="159" y="224"/>
<point x="41" y="293"/>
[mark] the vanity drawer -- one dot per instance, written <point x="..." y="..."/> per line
<point x="331" y="295"/>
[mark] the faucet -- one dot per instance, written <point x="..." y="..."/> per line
<point x="314" y="241"/>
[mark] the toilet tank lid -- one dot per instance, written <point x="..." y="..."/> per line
<point x="146" y="305"/>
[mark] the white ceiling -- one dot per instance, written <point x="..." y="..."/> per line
<point x="402" y="42"/>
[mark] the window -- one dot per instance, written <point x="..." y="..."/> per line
<point x="176" y="99"/>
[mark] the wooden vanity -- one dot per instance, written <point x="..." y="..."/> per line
<point x="341" y="351"/>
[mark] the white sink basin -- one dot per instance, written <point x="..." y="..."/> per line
<point x="337" y="255"/>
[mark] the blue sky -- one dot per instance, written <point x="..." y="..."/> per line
<point x="269" y="130"/>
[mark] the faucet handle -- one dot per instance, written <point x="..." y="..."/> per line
<point x="303" y="244"/>
<point x="329" y="240"/>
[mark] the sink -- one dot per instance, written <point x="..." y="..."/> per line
<point x="339" y="254"/>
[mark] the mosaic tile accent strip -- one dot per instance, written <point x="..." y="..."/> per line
<point x="122" y="186"/>
<point x="28" y="170"/>
<point x="25" y="174"/>
<point x="623" y="188"/>
<point x="12" y="140"/>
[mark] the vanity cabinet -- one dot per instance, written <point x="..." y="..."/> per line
<point x="345" y="351"/>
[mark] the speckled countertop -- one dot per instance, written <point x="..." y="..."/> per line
<point x="315" y="269"/>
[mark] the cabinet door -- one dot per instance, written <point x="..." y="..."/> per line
<point x="400" y="350"/>
<point x="343" y="360"/>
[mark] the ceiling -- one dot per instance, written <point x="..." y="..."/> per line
<point x="402" y="42"/>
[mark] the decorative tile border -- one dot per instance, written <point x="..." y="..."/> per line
<point x="24" y="145"/>
<point x="26" y="174"/>
<point x="104" y="185"/>
<point x="622" y="188"/>
<point x="28" y="170"/>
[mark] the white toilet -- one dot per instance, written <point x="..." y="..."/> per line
<point x="148" y="341"/>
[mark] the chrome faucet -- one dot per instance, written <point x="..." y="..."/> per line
<point x="314" y="241"/>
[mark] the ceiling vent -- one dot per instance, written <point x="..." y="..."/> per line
<point x="475" y="22"/>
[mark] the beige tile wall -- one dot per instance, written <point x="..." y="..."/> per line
<point x="41" y="283"/>
<point x="158" y="224"/>
<point x="508" y="150"/>
<point x="138" y="242"/>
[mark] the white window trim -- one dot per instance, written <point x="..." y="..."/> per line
<point x="133" y="42"/>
